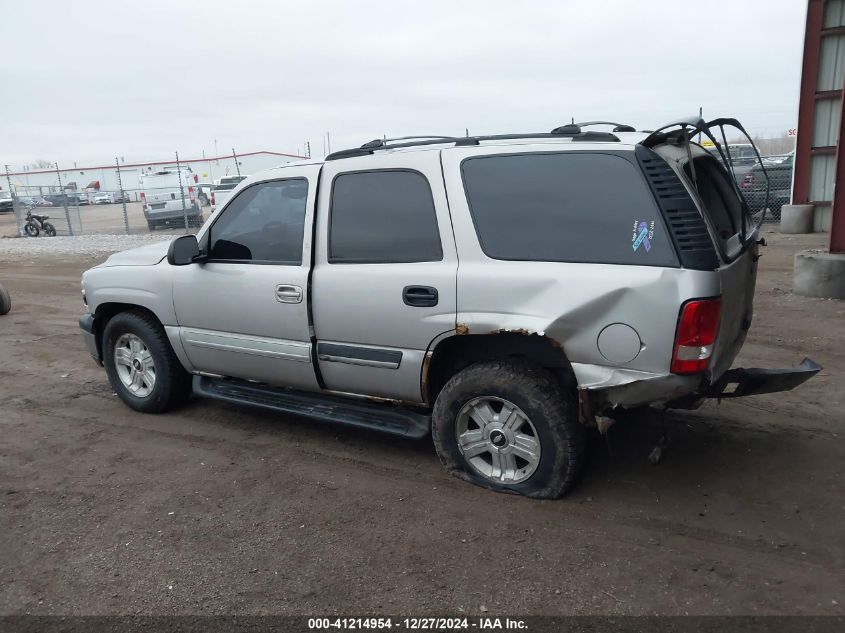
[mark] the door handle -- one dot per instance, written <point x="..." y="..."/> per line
<point x="288" y="294"/>
<point x="419" y="296"/>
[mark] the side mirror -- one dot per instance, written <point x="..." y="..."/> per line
<point x="183" y="250"/>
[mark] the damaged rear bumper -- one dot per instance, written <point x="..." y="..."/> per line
<point x="739" y="382"/>
<point x="627" y="388"/>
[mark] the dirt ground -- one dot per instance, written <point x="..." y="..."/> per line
<point x="219" y="509"/>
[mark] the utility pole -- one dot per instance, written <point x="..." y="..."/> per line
<point x="122" y="195"/>
<point x="308" y="149"/>
<point x="235" y="156"/>
<point x="64" y="204"/>
<point x="329" y="142"/>
<point x="182" y="192"/>
<point x="16" y="207"/>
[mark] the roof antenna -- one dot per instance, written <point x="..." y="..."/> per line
<point x="572" y="121"/>
<point x="466" y="129"/>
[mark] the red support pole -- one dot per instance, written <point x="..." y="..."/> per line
<point x="837" y="211"/>
<point x="807" y="104"/>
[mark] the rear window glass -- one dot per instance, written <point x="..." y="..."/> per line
<point x="565" y="207"/>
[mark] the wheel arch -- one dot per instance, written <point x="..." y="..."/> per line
<point x="107" y="310"/>
<point x="447" y="356"/>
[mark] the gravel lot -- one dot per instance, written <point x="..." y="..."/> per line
<point x="14" y="249"/>
<point x="219" y="509"/>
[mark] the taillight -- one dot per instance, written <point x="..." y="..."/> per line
<point x="213" y="201"/>
<point x="143" y="199"/>
<point x="748" y="181"/>
<point x="695" y="337"/>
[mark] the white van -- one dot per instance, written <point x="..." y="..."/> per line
<point x="224" y="189"/>
<point x="169" y="196"/>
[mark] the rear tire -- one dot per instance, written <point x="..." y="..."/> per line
<point x="31" y="229"/>
<point x="5" y="301"/>
<point x="145" y="371"/>
<point x="543" y="448"/>
<point x="151" y="225"/>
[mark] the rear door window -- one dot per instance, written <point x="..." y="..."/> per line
<point x="384" y="216"/>
<point x="565" y="207"/>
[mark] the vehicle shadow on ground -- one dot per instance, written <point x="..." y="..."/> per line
<point x="700" y="451"/>
<point x="703" y="450"/>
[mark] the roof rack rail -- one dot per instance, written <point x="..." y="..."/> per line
<point x="618" y="127"/>
<point x="572" y="131"/>
<point x="380" y="143"/>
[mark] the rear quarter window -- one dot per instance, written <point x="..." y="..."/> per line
<point x="565" y="207"/>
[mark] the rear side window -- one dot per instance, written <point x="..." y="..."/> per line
<point x="565" y="207"/>
<point x="383" y="217"/>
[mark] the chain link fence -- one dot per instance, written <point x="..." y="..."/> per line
<point x="174" y="200"/>
<point x="162" y="199"/>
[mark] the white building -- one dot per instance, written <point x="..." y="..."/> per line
<point x="105" y="177"/>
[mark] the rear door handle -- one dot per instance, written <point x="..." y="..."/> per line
<point x="288" y="294"/>
<point x="419" y="296"/>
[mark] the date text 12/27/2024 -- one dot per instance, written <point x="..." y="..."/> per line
<point x="418" y="624"/>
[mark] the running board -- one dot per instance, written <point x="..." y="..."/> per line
<point x="386" y="418"/>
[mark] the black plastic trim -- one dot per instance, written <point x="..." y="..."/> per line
<point x="753" y="381"/>
<point x="687" y="228"/>
<point x="387" y="416"/>
<point x="566" y="131"/>
<point x="354" y="352"/>
<point x="86" y="323"/>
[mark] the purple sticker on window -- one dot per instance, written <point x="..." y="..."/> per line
<point x="642" y="235"/>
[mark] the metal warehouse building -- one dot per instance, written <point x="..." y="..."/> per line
<point x="105" y="177"/>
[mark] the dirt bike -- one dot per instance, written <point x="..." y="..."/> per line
<point x="37" y="223"/>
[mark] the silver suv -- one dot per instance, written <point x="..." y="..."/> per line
<point x="499" y="293"/>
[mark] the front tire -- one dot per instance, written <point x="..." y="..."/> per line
<point x="49" y="229"/>
<point x="140" y="364"/>
<point x="509" y="427"/>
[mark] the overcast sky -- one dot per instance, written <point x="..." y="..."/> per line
<point x="86" y="81"/>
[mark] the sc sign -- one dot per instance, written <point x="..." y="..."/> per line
<point x="792" y="132"/>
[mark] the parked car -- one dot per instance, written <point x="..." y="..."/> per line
<point x="7" y="205"/>
<point x="102" y="198"/>
<point x="168" y="197"/>
<point x="59" y="199"/>
<point x="27" y="201"/>
<point x="121" y="196"/>
<point x="778" y="176"/>
<point x="224" y="189"/>
<point x="597" y="272"/>
<point x="77" y="199"/>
